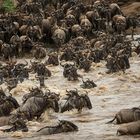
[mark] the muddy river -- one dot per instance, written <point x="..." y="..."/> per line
<point x="113" y="92"/>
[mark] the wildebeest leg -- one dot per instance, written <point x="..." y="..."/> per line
<point x="126" y="62"/>
<point x="132" y="34"/>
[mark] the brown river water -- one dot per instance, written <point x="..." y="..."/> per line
<point x="113" y="92"/>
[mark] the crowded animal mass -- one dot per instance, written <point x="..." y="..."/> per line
<point x="67" y="66"/>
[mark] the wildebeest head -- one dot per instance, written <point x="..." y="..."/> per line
<point x="13" y="101"/>
<point x="59" y="36"/>
<point x="67" y="126"/>
<point x="42" y="70"/>
<point x="88" y="84"/>
<point x="41" y="80"/>
<point x="63" y="126"/>
<point x="20" y="66"/>
<point x="70" y="19"/>
<point x="87" y="101"/>
<point x="18" y="125"/>
<point x="68" y="54"/>
<point x="53" y="104"/>
<point x="2" y="96"/>
<point x="39" y="52"/>
<point x="12" y="83"/>
<point x="85" y="64"/>
<point x="51" y="95"/>
<point x="34" y="65"/>
<point x="66" y="66"/>
<point x="53" y="59"/>
<point x="71" y="93"/>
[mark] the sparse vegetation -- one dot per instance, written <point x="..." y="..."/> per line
<point x="8" y="6"/>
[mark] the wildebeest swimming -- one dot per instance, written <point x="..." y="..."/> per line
<point x="63" y="126"/>
<point x="127" y="115"/>
<point x="76" y="101"/>
<point x="84" y="34"/>
<point x="131" y="128"/>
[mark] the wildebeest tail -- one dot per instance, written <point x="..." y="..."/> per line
<point x="111" y="120"/>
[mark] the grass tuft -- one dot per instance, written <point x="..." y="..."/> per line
<point x="8" y="5"/>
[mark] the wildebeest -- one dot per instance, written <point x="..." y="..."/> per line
<point x="8" y="105"/>
<point x="119" y="23"/>
<point x="76" y="101"/>
<point x="88" y="84"/>
<point x="70" y="72"/>
<point x="68" y="54"/>
<point x="127" y="115"/>
<point x="85" y="64"/>
<point x="51" y="95"/>
<point x="53" y="59"/>
<point x="59" y="37"/>
<point x="39" y="52"/>
<point x="11" y="83"/>
<point x="132" y="128"/>
<point x="62" y="127"/>
<point x="18" y="124"/>
<point x="35" y="106"/>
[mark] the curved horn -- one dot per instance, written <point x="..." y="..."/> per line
<point x="3" y="97"/>
<point x="76" y="90"/>
<point x="67" y="91"/>
<point x="61" y="64"/>
<point x="48" y="90"/>
<point x="36" y="76"/>
<point x="86" y="92"/>
<point x="10" y="94"/>
<point x="88" y="79"/>
<point x="30" y="89"/>
<point x="31" y="61"/>
<point x="83" y="80"/>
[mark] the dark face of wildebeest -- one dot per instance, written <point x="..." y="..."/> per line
<point x="2" y="96"/>
<point x="6" y="51"/>
<point x="85" y="64"/>
<point x="34" y="65"/>
<point x="43" y="71"/>
<point x="20" y="72"/>
<point x="70" y="72"/>
<point x="39" y="53"/>
<point x="12" y="83"/>
<point x="67" y="55"/>
<point x="53" y="59"/>
<point x="63" y="126"/>
<point x="52" y="95"/>
<point x="41" y="80"/>
<point x="88" y="84"/>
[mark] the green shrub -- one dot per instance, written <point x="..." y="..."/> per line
<point x="8" y="5"/>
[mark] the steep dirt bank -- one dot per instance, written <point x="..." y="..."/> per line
<point x="131" y="8"/>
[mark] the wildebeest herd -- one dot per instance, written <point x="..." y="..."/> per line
<point x="62" y="31"/>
